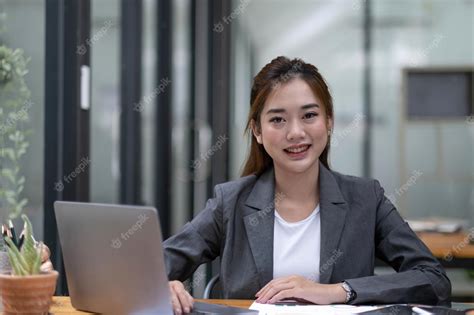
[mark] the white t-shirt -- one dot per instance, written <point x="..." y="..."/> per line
<point x="296" y="247"/>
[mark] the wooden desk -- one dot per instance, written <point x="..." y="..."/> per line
<point x="453" y="250"/>
<point x="62" y="305"/>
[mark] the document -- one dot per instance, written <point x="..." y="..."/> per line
<point x="287" y="309"/>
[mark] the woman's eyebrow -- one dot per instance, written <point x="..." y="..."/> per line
<point x="282" y="110"/>
<point x="310" y="106"/>
<point x="275" y="111"/>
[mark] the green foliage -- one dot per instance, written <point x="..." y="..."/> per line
<point x="26" y="261"/>
<point x="14" y="117"/>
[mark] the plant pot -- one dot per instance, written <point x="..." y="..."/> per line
<point x="27" y="294"/>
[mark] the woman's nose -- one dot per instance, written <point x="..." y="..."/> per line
<point x="295" y="131"/>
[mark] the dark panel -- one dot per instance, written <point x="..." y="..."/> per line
<point x="163" y="120"/>
<point x="130" y="122"/>
<point x="220" y="90"/>
<point x="367" y="90"/>
<point x="445" y="94"/>
<point x="66" y="124"/>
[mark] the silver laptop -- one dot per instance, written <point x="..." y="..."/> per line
<point x="114" y="263"/>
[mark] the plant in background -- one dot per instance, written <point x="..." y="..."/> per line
<point x="15" y="105"/>
<point x="27" y="260"/>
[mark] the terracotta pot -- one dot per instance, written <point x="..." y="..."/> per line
<point x="27" y="294"/>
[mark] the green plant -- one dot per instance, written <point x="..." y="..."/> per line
<point x="27" y="260"/>
<point x="15" y="106"/>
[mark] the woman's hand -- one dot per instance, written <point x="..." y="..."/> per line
<point x="46" y="264"/>
<point x="181" y="300"/>
<point x="297" y="287"/>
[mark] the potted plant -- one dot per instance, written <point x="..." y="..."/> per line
<point x="26" y="289"/>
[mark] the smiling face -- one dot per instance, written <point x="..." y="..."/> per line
<point x="293" y="127"/>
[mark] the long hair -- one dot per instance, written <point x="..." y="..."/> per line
<point x="280" y="71"/>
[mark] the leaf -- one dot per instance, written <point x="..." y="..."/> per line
<point x="8" y="152"/>
<point x="8" y="173"/>
<point x="22" y="203"/>
<point x="28" y="249"/>
<point x="19" y="189"/>
<point x="16" y="258"/>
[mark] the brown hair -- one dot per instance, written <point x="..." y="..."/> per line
<point x="279" y="71"/>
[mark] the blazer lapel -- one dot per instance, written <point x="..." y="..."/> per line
<point x="333" y="210"/>
<point x="259" y="225"/>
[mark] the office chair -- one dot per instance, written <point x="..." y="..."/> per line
<point x="213" y="289"/>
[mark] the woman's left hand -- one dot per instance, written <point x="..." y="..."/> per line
<point x="46" y="264"/>
<point x="298" y="287"/>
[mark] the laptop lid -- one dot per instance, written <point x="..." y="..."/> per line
<point x="113" y="258"/>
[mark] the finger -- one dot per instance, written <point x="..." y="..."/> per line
<point x="43" y="250"/>
<point x="175" y="303"/>
<point x="269" y="284"/>
<point x="184" y="301"/>
<point x="273" y="290"/>
<point x="284" y="294"/>
<point x="46" y="266"/>
<point x="190" y="299"/>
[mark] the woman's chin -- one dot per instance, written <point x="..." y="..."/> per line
<point x="298" y="167"/>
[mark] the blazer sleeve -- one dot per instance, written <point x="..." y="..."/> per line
<point x="420" y="278"/>
<point x="198" y="242"/>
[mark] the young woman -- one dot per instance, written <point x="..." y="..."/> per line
<point x="292" y="228"/>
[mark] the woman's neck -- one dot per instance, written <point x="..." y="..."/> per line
<point x="298" y="187"/>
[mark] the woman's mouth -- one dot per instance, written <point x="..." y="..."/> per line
<point x="298" y="151"/>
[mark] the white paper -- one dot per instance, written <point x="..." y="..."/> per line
<point x="336" y="309"/>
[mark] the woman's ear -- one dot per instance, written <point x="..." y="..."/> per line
<point x="256" y="131"/>
<point x="330" y="125"/>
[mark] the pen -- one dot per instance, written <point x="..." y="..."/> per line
<point x="12" y="231"/>
<point x="21" y="239"/>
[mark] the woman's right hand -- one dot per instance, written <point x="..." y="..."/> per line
<point x="181" y="300"/>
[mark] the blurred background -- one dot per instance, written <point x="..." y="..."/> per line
<point x="145" y="102"/>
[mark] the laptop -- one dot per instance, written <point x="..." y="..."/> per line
<point x="113" y="257"/>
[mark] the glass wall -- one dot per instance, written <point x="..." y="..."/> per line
<point x="327" y="34"/>
<point x="434" y="158"/>
<point x="105" y="106"/>
<point x="404" y="34"/>
<point x="22" y="106"/>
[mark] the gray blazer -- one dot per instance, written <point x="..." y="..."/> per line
<point x="358" y="223"/>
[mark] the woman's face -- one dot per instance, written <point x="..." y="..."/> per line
<point x="293" y="127"/>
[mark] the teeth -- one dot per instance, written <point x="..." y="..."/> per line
<point x="297" y="150"/>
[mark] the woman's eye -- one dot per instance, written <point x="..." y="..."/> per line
<point x="310" y="115"/>
<point x="276" y="120"/>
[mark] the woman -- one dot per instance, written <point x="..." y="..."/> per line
<point x="292" y="228"/>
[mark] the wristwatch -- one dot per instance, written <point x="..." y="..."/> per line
<point x="350" y="294"/>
